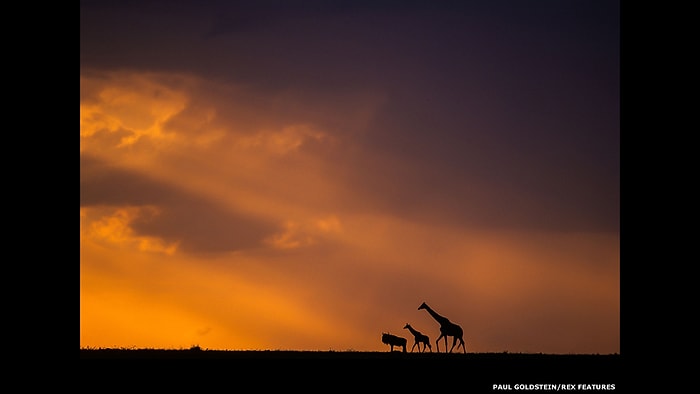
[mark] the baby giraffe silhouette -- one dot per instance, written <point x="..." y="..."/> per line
<point x="419" y="338"/>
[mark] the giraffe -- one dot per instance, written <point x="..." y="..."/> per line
<point x="419" y="338"/>
<point x="447" y="329"/>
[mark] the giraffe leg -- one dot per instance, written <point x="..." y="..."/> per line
<point x="454" y="342"/>
<point x="437" y="343"/>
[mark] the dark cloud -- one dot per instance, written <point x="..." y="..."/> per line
<point x="507" y="112"/>
<point x="199" y="225"/>
<point x="550" y="200"/>
<point x="312" y="44"/>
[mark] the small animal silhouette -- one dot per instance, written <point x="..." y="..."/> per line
<point x="419" y="338"/>
<point x="393" y="340"/>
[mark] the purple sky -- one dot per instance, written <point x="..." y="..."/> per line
<point x="501" y="116"/>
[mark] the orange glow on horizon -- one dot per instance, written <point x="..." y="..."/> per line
<point x="327" y="273"/>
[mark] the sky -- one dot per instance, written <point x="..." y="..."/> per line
<point x="302" y="175"/>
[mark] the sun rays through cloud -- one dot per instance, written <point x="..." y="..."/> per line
<point x="305" y="180"/>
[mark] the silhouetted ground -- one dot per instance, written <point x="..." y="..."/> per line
<point x="358" y="370"/>
<point x="336" y="355"/>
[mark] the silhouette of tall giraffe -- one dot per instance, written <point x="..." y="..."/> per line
<point x="447" y="329"/>
<point x="419" y="338"/>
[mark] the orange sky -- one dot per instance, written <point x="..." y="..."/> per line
<point x="215" y="215"/>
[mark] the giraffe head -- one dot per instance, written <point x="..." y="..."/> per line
<point x="423" y="306"/>
<point x="407" y="325"/>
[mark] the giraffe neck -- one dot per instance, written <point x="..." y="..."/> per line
<point x="438" y="318"/>
<point x="413" y="331"/>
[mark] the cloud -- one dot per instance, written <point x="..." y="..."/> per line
<point x="222" y="179"/>
<point x="193" y="222"/>
<point x="306" y="179"/>
<point x="357" y="150"/>
<point x="114" y="225"/>
<point x="299" y="235"/>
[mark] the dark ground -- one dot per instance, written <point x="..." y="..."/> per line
<point x="338" y="355"/>
<point x="471" y="372"/>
